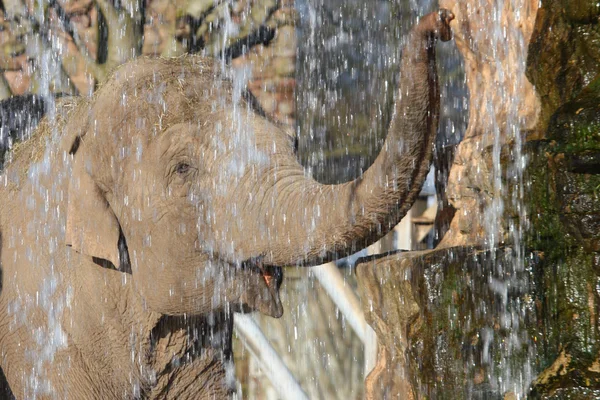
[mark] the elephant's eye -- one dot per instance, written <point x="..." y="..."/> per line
<point x="182" y="168"/>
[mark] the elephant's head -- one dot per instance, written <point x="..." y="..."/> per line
<point x="204" y="200"/>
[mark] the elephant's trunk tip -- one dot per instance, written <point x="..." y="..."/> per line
<point x="445" y="32"/>
<point x="446" y="15"/>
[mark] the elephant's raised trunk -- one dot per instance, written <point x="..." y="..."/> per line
<point x="325" y="222"/>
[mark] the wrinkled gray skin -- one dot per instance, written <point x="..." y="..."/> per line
<point x="133" y="225"/>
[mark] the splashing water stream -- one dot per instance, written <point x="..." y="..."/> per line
<point x="348" y="56"/>
<point x="505" y="217"/>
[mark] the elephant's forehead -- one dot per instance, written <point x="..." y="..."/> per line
<point x="152" y="95"/>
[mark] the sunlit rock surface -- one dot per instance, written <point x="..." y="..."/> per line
<point x="492" y="38"/>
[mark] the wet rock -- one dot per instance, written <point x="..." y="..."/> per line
<point x="574" y="152"/>
<point x="575" y="393"/>
<point x="596" y="262"/>
<point x="454" y="323"/>
<point x="575" y="128"/>
<point x="439" y="351"/>
<point x="474" y="323"/>
<point x="563" y="380"/>
<point x="583" y="11"/>
<point x="570" y="183"/>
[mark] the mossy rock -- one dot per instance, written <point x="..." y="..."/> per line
<point x="574" y="151"/>
<point x="561" y="203"/>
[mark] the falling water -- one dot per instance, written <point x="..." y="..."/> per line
<point x="347" y="65"/>
<point x="348" y="62"/>
<point x="49" y="338"/>
<point x="504" y="345"/>
<point x="505" y="220"/>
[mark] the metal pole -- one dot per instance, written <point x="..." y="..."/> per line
<point x="258" y="345"/>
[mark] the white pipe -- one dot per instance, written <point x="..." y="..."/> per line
<point x="258" y="345"/>
<point x="370" y="350"/>
<point x="331" y="279"/>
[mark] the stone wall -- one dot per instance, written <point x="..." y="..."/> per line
<point x="256" y="33"/>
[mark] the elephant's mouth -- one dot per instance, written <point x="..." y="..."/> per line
<point x="273" y="276"/>
<point x="267" y="280"/>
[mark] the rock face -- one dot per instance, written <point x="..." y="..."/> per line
<point x="569" y="87"/>
<point x="447" y="324"/>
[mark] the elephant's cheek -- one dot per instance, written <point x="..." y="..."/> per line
<point x="166" y="293"/>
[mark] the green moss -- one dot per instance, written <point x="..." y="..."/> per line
<point x="562" y="197"/>
<point x="570" y="292"/>
<point x="575" y="126"/>
<point x="541" y="199"/>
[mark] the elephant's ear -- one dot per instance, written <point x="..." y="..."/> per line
<point x="92" y="227"/>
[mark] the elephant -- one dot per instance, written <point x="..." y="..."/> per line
<point x="133" y="224"/>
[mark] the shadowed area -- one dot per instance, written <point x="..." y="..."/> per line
<point x="5" y="392"/>
<point x="19" y="115"/>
